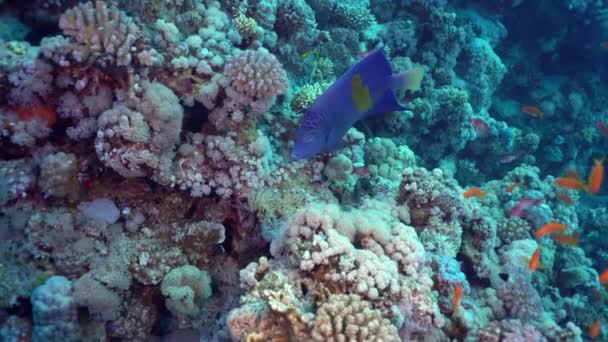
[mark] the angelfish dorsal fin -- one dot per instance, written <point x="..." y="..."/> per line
<point x="360" y="94"/>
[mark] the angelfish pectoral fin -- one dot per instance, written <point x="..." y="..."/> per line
<point x="408" y="80"/>
<point x="360" y="94"/>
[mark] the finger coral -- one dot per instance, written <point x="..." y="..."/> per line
<point x="100" y="31"/>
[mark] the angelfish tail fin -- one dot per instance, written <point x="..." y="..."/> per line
<point x="409" y="80"/>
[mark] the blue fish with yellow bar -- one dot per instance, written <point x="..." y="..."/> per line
<point x="366" y="89"/>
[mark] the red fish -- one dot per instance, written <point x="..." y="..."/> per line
<point x="570" y="183"/>
<point x="457" y="298"/>
<point x="45" y="112"/>
<point x="571" y="173"/>
<point x="522" y="207"/>
<point x="594" y="329"/>
<point x="549" y="228"/>
<point x="565" y="198"/>
<point x="480" y="126"/>
<point x="535" y="260"/>
<point x="475" y="192"/>
<point x="603" y="128"/>
<point x="512" y="186"/>
<point x="533" y="111"/>
<point x="604" y="277"/>
<point x="596" y="176"/>
<point x="570" y="240"/>
<point x="604" y="45"/>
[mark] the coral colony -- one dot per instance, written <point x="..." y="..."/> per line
<point x="303" y="170"/>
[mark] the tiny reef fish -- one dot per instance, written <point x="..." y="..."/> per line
<point x="570" y="240"/>
<point x="604" y="277"/>
<point x="29" y="112"/>
<point x="309" y="57"/>
<point x="513" y="186"/>
<point x="594" y="329"/>
<point x="565" y="198"/>
<point x="549" y="228"/>
<point x="457" y="297"/>
<point x="480" y="126"/>
<point x="573" y="174"/>
<point x="535" y="260"/>
<point x="522" y="207"/>
<point x="508" y="158"/>
<point x="365" y="90"/>
<point x="533" y="111"/>
<point x="570" y="183"/>
<point x="475" y="192"/>
<point x="596" y="176"/>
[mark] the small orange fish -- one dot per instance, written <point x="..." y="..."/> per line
<point x="570" y="183"/>
<point x="596" y="176"/>
<point x="512" y="186"/>
<point x="45" y="112"/>
<point x="594" y="329"/>
<point x="604" y="277"/>
<point x="570" y="240"/>
<point x="573" y="174"/>
<point x="535" y="260"/>
<point x="565" y="198"/>
<point x="533" y="111"/>
<point x="475" y="192"/>
<point x="549" y="228"/>
<point x="456" y="298"/>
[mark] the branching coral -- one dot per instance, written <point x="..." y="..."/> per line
<point x="139" y="139"/>
<point x="257" y="76"/>
<point x="100" y="32"/>
<point x="362" y="252"/>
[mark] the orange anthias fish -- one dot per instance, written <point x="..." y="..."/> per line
<point x="596" y="176"/>
<point x="27" y="113"/>
<point x="535" y="260"/>
<point x="456" y="298"/>
<point x="604" y="277"/>
<point x="594" y="329"/>
<point x="565" y="198"/>
<point x="512" y="186"/>
<point x="570" y="183"/>
<point x="533" y="111"/>
<point x="571" y="240"/>
<point x="475" y="192"/>
<point x="573" y="174"/>
<point x="549" y="228"/>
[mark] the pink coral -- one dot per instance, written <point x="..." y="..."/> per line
<point x="257" y="74"/>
